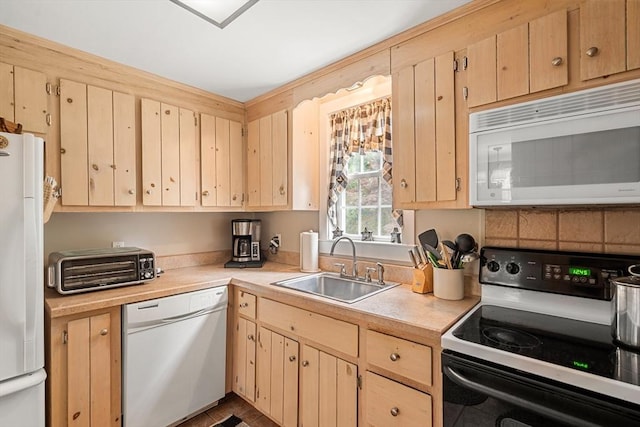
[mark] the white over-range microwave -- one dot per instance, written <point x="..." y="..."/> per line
<point x="576" y="148"/>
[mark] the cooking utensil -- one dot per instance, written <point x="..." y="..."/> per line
<point x="445" y="256"/>
<point x="465" y="244"/>
<point x="423" y="256"/>
<point x="625" y="308"/>
<point x="412" y="255"/>
<point x="432" y="251"/>
<point x="429" y="237"/>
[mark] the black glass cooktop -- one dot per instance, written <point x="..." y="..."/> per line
<point x="570" y="343"/>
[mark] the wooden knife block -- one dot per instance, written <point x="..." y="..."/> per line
<point x="422" y="279"/>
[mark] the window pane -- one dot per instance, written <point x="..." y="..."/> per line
<point x="351" y="193"/>
<point x="388" y="221"/>
<point x="371" y="161"/>
<point x="370" y="219"/>
<point x="369" y="189"/>
<point x="353" y="164"/>
<point x="386" y="193"/>
<point x="351" y="226"/>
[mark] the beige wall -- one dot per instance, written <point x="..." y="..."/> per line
<point x="289" y="225"/>
<point x="611" y="230"/>
<point x="165" y="233"/>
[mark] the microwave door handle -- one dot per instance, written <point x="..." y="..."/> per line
<point x="523" y="402"/>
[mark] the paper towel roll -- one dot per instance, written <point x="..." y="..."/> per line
<point x="309" y="252"/>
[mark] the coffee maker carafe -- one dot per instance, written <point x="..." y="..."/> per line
<point x="245" y="243"/>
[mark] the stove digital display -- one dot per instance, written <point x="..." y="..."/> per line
<point x="579" y="271"/>
<point x="581" y="365"/>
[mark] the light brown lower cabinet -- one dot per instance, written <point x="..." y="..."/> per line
<point x="328" y="390"/>
<point x="389" y="403"/>
<point x="277" y="377"/>
<point x="244" y="359"/>
<point x="83" y="364"/>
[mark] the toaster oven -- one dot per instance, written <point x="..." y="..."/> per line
<point x="87" y="270"/>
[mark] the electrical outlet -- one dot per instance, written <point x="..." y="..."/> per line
<point x="117" y="244"/>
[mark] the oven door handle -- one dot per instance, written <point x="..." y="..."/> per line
<point x="522" y="402"/>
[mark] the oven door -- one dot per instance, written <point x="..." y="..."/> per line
<point x="480" y="393"/>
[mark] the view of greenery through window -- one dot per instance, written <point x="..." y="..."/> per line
<point x="366" y="202"/>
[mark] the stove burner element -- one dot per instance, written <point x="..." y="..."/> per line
<point x="510" y="338"/>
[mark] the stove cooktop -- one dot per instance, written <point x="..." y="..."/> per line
<point x="574" y="344"/>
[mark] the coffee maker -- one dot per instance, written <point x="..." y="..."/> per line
<point x="245" y="243"/>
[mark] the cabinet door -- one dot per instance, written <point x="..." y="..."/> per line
<point x="170" y="143"/>
<point x="30" y="99"/>
<point x="602" y="38"/>
<point x="208" y="147"/>
<point x="329" y="390"/>
<point x="124" y="149"/>
<point x="481" y="74"/>
<point x="6" y="91"/>
<point x="548" y="52"/>
<point x="445" y="128"/>
<point x="151" y="153"/>
<point x="228" y="164"/>
<point x="187" y="158"/>
<point x="426" y="165"/>
<point x="404" y="159"/>
<point x="100" y="146"/>
<point x="74" y="143"/>
<point x="279" y="146"/>
<point x="305" y="151"/>
<point x="512" y="56"/>
<point x="277" y="379"/>
<point x="244" y="359"/>
<point x="253" y="163"/>
<point x="83" y="366"/>
<point x="266" y="161"/>
<point x="633" y="34"/>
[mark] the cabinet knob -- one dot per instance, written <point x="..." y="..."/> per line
<point x="244" y="304"/>
<point x="250" y="337"/>
<point x="104" y="331"/>
<point x="132" y="192"/>
<point x="205" y="193"/>
<point x="394" y="357"/>
<point x="292" y="358"/>
<point x="403" y="183"/>
<point x="556" y="62"/>
<point x="394" y="411"/>
<point x="305" y="363"/>
<point x="62" y="151"/>
<point x="592" y="51"/>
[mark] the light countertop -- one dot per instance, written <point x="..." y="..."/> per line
<point x="395" y="308"/>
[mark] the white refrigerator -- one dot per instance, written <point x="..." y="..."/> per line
<point x="22" y="372"/>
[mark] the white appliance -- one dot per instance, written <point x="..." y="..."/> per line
<point x="576" y="148"/>
<point x="22" y="372"/>
<point x="174" y="352"/>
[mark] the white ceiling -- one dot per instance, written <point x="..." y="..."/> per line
<point x="272" y="43"/>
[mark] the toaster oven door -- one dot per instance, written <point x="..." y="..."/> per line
<point x="79" y="274"/>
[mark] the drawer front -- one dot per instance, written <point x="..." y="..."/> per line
<point x="388" y="403"/>
<point x="246" y="304"/>
<point x="336" y="334"/>
<point x="405" y="358"/>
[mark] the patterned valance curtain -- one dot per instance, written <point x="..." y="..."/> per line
<point x="358" y="130"/>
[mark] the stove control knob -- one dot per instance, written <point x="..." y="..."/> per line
<point x="513" y="268"/>
<point x="493" y="266"/>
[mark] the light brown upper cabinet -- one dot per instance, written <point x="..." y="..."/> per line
<point x="526" y="59"/>
<point x="23" y="97"/>
<point x="168" y="155"/>
<point x="267" y="161"/>
<point x="602" y="38"/>
<point x="633" y="34"/>
<point x="424" y="132"/>
<point x="305" y="152"/>
<point x="548" y="52"/>
<point x="97" y="140"/>
<point x="221" y="161"/>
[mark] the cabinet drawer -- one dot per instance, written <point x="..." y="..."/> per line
<point x="406" y="358"/>
<point x="246" y="304"/>
<point x="389" y="403"/>
<point x="336" y="334"/>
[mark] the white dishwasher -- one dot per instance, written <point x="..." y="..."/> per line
<point x="174" y="352"/>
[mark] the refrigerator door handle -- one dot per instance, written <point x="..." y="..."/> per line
<point x="22" y="383"/>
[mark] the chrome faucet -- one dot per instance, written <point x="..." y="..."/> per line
<point x="354" y="271"/>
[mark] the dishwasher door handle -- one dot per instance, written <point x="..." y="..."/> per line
<point x="190" y="315"/>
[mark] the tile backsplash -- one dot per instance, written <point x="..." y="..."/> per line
<point x="601" y="230"/>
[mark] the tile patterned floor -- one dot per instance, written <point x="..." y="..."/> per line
<point x="231" y="404"/>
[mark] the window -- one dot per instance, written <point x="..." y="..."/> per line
<point x="366" y="201"/>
